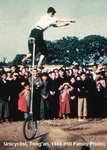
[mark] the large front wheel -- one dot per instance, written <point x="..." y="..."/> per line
<point x="29" y="128"/>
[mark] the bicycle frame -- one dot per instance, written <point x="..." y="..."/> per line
<point x="32" y="80"/>
<point x="30" y="125"/>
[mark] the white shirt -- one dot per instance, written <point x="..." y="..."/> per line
<point x="46" y="21"/>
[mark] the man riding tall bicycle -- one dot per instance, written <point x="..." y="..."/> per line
<point x="36" y="35"/>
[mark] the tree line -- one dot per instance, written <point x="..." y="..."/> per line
<point x="70" y="50"/>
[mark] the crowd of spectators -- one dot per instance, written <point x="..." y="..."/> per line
<point x="74" y="92"/>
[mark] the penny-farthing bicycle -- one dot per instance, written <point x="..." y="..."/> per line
<point x="30" y="125"/>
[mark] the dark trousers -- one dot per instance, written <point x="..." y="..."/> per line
<point x="4" y="109"/>
<point x="40" y="44"/>
<point x="36" y="105"/>
<point x="73" y="108"/>
<point x="13" y="107"/>
<point x="44" y="109"/>
<point x="53" y="106"/>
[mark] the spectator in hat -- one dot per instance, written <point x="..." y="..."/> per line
<point x="64" y="99"/>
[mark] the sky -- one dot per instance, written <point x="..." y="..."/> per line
<point x="18" y="17"/>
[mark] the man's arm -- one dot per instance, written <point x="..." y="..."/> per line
<point x="65" y="20"/>
<point x="62" y="22"/>
<point x="60" y="25"/>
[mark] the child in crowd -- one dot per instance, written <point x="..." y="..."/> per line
<point x="64" y="99"/>
<point x="24" y="99"/>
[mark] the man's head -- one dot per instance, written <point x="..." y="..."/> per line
<point x="83" y="76"/>
<point x="51" y="11"/>
<point x="44" y="76"/>
<point x="35" y="72"/>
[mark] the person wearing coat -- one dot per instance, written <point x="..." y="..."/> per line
<point x="44" y="105"/>
<point x="53" y="96"/>
<point x="37" y="84"/>
<point x="24" y="100"/>
<point x="4" y="98"/>
<point x="64" y="100"/>
<point x="82" y="89"/>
